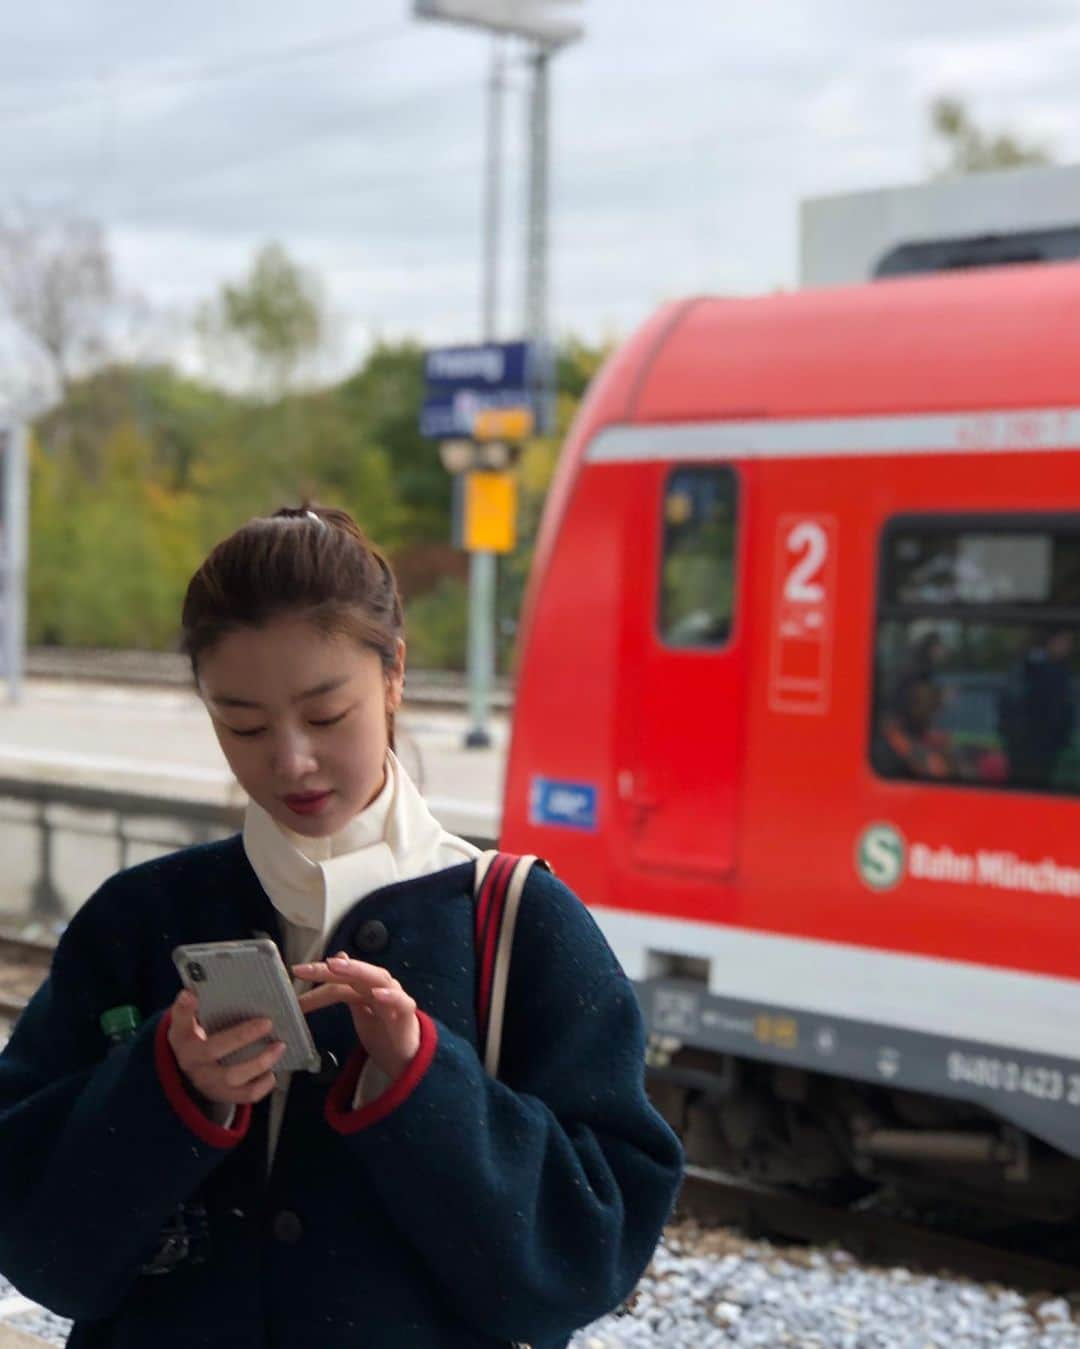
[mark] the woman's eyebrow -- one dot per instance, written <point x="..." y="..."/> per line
<point x="327" y="686"/>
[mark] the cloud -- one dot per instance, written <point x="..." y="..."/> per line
<point x="683" y="136"/>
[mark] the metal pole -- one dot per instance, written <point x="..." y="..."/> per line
<point x="536" y="281"/>
<point x="481" y="639"/>
<point x="45" y="902"/>
<point x="490" y="311"/>
<point x="482" y="565"/>
<point x="481" y="646"/>
<point x="13" y="594"/>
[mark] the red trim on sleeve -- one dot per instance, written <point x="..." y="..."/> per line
<point x="339" y="1112"/>
<point x="172" y="1083"/>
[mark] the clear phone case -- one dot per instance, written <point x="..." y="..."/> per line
<point x="240" y="980"/>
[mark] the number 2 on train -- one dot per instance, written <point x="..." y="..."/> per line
<point x="809" y="537"/>
<point x="803" y="614"/>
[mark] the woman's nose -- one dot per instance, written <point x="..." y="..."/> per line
<point x="293" y="757"/>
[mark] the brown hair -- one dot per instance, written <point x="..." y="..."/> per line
<point x="311" y="560"/>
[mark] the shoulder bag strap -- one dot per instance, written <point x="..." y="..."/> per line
<point x="500" y="880"/>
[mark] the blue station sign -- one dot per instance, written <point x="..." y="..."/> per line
<point x="461" y="382"/>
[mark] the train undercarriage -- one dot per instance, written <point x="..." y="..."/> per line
<point x="790" y="1127"/>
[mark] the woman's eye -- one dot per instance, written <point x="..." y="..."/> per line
<point x="258" y="730"/>
<point x="330" y="721"/>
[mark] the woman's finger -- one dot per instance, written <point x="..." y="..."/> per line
<point x="393" y="1002"/>
<point x="328" y="994"/>
<point x="182" y="1022"/>
<point x="184" y="1009"/>
<point x="184" y="1025"/>
<point x="241" y="1074"/>
<point x="249" y="1094"/>
<point x="343" y="969"/>
<point x="213" y="1048"/>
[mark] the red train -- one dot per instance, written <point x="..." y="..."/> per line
<point x="795" y="713"/>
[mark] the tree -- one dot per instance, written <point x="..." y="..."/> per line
<point x="177" y="415"/>
<point x="109" y="562"/>
<point x="384" y="398"/>
<point x="972" y="150"/>
<point x="56" y="286"/>
<point x="274" y="318"/>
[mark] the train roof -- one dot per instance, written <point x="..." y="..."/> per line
<point x="1002" y="338"/>
<point x="970" y="342"/>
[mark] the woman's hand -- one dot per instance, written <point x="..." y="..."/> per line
<point x="199" y="1053"/>
<point x="383" y="1013"/>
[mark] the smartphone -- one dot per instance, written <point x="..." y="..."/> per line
<point x="239" y="981"/>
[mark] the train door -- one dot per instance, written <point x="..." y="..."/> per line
<point x="681" y="677"/>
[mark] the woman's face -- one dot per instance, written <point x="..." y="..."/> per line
<point x="301" y="718"/>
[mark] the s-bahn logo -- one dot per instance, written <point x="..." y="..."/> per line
<point x="880" y="856"/>
<point x="884" y="857"/>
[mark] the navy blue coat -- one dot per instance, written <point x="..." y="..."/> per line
<point x="454" y="1211"/>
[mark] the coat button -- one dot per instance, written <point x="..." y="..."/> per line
<point x="287" y="1227"/>
<point x="371" y="937"/>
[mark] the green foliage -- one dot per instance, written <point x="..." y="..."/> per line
<point x="108" y="564"/>
<point x="174" y="414"/>
<point x="153" y="468"/>
<point x="972" y="150"/>
<point x="385" y="398"/>
<point x="436" y="626"/>
<point x="138" y="470"/>
<point x="575" y="366"/>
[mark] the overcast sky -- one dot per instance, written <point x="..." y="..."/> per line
<point x="684" y="134"/>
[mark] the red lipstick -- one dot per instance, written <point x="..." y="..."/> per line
<point x="307" y="803"/>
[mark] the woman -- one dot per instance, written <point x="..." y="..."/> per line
<point x="406" y="1199"/>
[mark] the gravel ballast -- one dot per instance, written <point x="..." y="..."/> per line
<point x="707" y="1289"/>
<point x="710" y="1288"/>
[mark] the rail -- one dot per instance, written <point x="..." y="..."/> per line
<point x="129" y="821"/>
<point x="1028" y="1257"/>
<point x="105" y="813"/>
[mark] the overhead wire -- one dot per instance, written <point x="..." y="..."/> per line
<point x="175" y="192"/>
<point x="147" y="81"/>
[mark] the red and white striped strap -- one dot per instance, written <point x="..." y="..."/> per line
<point x="500" y="880"/>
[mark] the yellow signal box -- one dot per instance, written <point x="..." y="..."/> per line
<point x="490" y="513"/>
<point x="512" y="424"/>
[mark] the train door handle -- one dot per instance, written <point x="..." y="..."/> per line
<point x="637" y="790"/>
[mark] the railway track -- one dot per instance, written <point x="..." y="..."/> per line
<point x="433" y="690"/>
<point x="23" y="965"/>
<point x="713" y="1197"/>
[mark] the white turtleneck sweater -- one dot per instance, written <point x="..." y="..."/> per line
<point x="313" y="882"/>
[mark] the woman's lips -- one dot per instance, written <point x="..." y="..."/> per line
<point x="310" y="803"/>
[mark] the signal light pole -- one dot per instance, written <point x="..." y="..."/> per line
<point x="538" y="22"/>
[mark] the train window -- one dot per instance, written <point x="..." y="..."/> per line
<point x="986" y="250"/>
<point x="697" y="570"/>
<point x="977" y="669"/>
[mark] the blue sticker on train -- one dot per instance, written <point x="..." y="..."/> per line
<point x="571" y="804"/>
